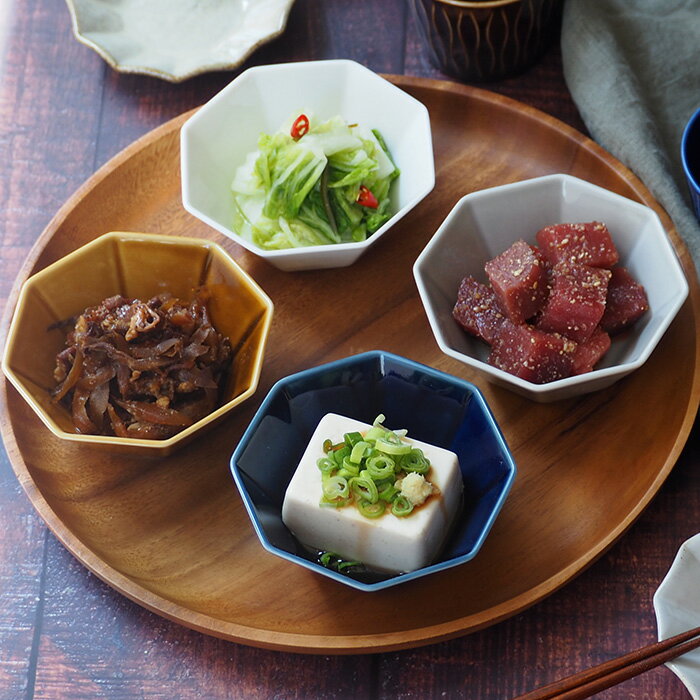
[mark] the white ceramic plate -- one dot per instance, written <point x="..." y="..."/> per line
<point x="176" y="39"/>
<point x="677" y="608"/>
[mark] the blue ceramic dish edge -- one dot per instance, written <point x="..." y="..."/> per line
<point x="330" y="573"/>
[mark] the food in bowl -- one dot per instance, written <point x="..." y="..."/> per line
<point x="141" y="369"/>
<point x="366" y="493"/>
<point x="314" y="183"/>
<point x="549" y="310"/>
<point x="217" y="139"/>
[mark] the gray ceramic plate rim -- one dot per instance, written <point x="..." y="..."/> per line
<point x="173" y="77"/>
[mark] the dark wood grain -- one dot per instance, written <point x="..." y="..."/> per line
<point x="618" y="670"/>
<point x="65" y="634"/>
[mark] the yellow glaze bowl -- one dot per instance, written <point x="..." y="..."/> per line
<point x="136" y="265"/>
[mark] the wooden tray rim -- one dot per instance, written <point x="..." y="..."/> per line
<point x="340" y="644"/>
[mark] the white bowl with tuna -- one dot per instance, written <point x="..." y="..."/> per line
<point x="506" y="243"/>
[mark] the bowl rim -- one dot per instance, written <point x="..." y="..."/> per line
<point x="111" y="440"/>
<point x="380" y="356"/>
<point x="618" y="370"/>
<point x="692" y="124"/>
<point x="320" y="249"/>
<point x="121" y="66"/>
<point x="666" y="600"/>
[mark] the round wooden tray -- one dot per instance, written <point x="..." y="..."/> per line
<point x="172" y="534"/>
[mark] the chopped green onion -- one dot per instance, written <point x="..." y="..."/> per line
<point x="401" y="507"/>
<point x="392" y="444"/>
<point x="387" y="492"/>
<point x="351" y="439"/>
<point x="335" y="503"/>
<point x="342" y="565"/>
<point x="380" y="467"/>
<point x="328" y="446"/>
<point x="335" y="487"/>
<point x="373" y="434"/>
<point x="331" y="560"/>
<point x="371" y="510"/>
<point x="363" y="470"/>
<point x="340" y="455"/>
<point x="358" y="451"/>
<point x="415" y="461"/>
<point x="326" y="465"/>
<point x="349" y="468"/>
<point x="363" y="487"/>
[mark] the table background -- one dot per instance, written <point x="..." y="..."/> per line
<point x="64" y="633"/>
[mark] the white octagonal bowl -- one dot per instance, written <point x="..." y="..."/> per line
<point x="677" y="609"/>
<point x="217" y="139"/>
<point x="484" y="223"/>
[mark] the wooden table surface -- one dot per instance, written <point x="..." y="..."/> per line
<point x="64" y="633"/>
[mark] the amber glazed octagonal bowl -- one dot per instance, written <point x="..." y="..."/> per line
<point x="135" y="265"/>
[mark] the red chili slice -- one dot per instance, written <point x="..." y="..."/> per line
<point x="366" y="198"/>
<point x="299" y="127"/>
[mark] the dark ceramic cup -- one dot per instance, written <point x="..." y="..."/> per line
<point x="486" y="40"/>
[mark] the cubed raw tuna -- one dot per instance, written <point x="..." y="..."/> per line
<point x="585" y="243"/>
<point x="532" y="354"/>
<point x="576" y="301"/>
<point x="626" y="301"/>
<point x="588" y="354"/>
<point x="519" y="278"/>
<point x="477" y="309"/>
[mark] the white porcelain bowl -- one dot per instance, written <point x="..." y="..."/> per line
<point x="677" y="608"/>
<point x="484" y="223"/>
<point x="217" y="139"/>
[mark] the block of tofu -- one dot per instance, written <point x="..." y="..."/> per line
<point x="388" y="543"/>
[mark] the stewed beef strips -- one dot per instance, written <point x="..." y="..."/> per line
<point x="142" y="369"/>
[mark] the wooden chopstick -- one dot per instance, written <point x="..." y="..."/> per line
<point x="605" y="675"/>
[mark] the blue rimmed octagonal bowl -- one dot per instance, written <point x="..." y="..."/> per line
<point x="433" y="406"/>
